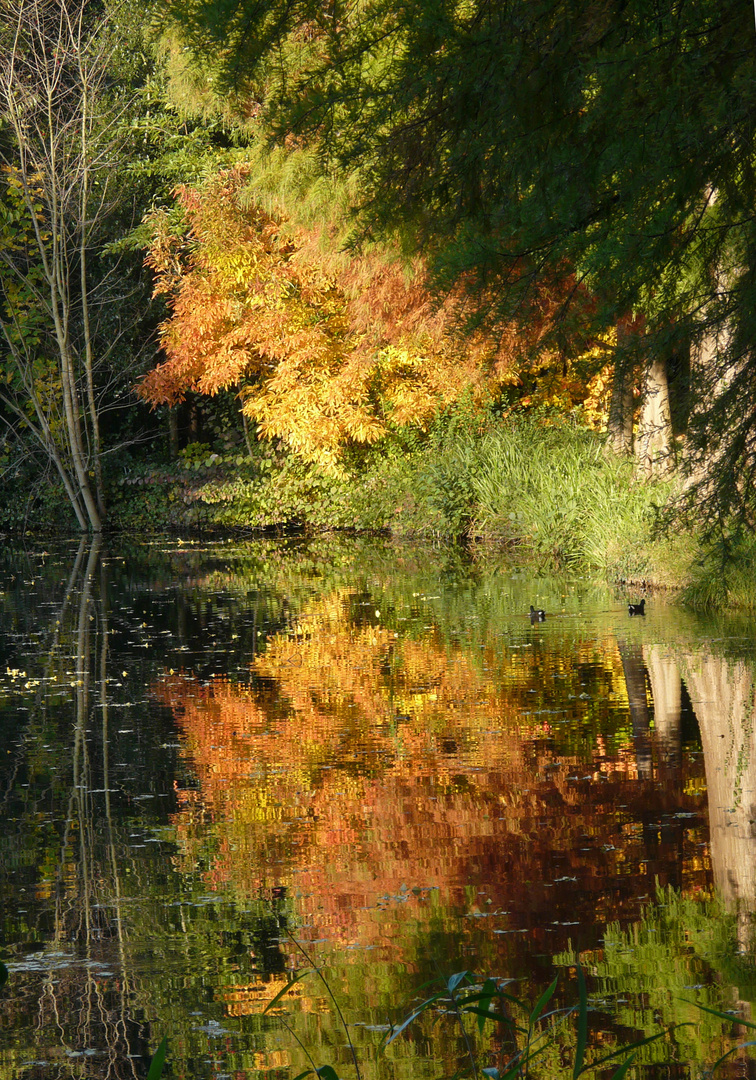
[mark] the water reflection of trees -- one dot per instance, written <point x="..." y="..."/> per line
<point x="78" y="983"/>
<point x="372" y="757"/>
<point x="722" y="693"/>
<point x="721" y="690"/>
<point x="693" y="947"/>
<point x="414" y="782"/>
<point x="371" y="772"/>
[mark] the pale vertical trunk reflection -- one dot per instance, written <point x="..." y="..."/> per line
<point x="635" y="677"/>
<point x="722" y="693"/>
<point x="666" y="692"/>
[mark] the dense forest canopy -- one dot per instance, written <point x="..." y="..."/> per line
<point x="602" y="152"/>
<point x="422" y="199"/>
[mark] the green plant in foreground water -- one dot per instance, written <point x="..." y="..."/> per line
<point x="530" y="1033"/>
<point x="730" y="1018"/>
<point x="158" y="1061"/>
<point x="530" y="1038"/>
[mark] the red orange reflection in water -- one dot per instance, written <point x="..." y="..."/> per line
<point x="375" y="779"/>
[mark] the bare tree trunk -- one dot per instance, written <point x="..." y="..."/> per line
<point x="621" y="406"/>
<point x="247" y="439"/>
<point x="173" y="432"/>
<point x="654" y="449"/>
<point x="41" y="429"/>
<point x="73" y="423"/>
<point x="94" y="419"/>
<point x="621" y="401"/>
<point x="710" y="371"/>
<point x="49" y="84"/>
<point x="194" y="422"/>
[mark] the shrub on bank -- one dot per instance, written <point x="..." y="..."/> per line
<point x="548" y="491"/>
<point x="723" y="573"/>
<point x="544" y="487"/>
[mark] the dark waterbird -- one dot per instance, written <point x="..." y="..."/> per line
<point x="637" y="609"/>
<point x="537" y="616"/>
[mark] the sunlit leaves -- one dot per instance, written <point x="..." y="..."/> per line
<point x="247" y="313"/>
<point x="254" y="306"/>
<point x="601" y="154"/>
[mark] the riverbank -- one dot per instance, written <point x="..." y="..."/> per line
<point x="549" y="494"/>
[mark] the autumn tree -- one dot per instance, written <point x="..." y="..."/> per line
<point x="530" y="141"/>
<point x="316" y="361"/>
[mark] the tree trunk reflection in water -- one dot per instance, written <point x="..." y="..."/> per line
<point x="88" y="917"/>
<point x="722" y="693"/>
<point x="666" y="693"/>
<point x="635" y="678"/>
<point x="723" y="696"/>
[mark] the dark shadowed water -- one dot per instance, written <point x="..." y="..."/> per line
<point x="215" y="756"/>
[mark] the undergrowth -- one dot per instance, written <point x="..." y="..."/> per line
<point x="723" y="574"/>
<point x="548" y="491"/>
<point x="543" y="487"/>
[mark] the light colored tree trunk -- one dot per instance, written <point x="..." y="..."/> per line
<point x="621" y="406"/>
<point x="711" y="376"/>
<point x="724" y="700"/>
<point x="654" y="446"/>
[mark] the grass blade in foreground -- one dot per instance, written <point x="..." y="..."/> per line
<point x="336" y="1006"/>
<point x="731" y="1017"/>
<point x="582" y="1032"/>
<point x="541" y="1004"/>
<point x="158" y="1061"/>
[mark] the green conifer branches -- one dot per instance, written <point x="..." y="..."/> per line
<point x="519" y="142"/>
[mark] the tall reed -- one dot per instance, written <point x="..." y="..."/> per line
<point x="551" y="491"/>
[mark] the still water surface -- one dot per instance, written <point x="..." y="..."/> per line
<point x="211" y="754"/>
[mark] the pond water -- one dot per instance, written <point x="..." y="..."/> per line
<point x="222" y="764"/>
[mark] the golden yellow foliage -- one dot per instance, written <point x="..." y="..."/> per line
<point x="320" y="358"/>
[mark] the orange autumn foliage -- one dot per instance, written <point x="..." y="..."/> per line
<point x="322" y="355"/>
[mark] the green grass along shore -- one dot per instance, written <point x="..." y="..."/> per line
<point x="550" y="495"/>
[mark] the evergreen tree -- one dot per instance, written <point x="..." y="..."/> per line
<point x="525" y="144"/>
